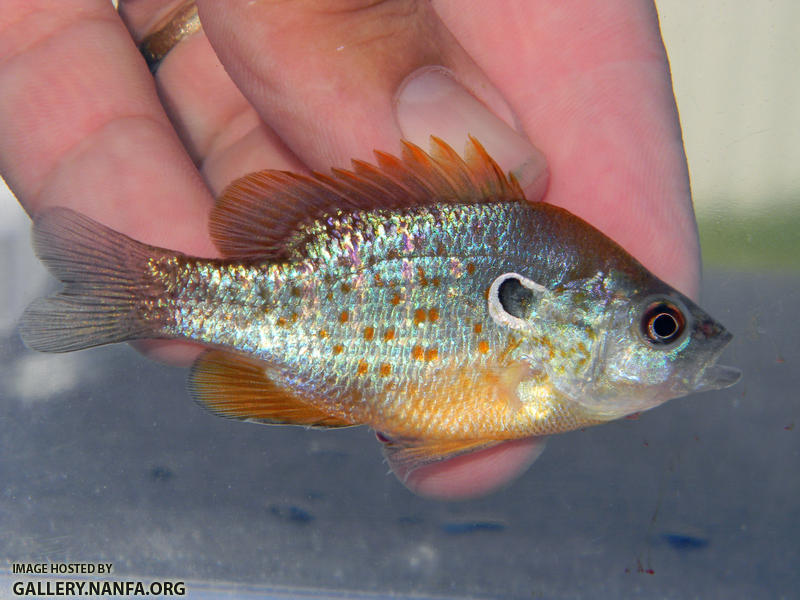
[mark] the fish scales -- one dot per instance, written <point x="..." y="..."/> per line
<point x="447" y="313"/>
<point x="377" y="304"/>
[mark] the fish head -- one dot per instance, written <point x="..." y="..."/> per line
<point x="653" y="346"/>
<point x="611" y="350"/>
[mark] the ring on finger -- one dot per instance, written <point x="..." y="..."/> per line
<point x="171" y="30"/>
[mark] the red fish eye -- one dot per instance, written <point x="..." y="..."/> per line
<point x="662" y="322"/>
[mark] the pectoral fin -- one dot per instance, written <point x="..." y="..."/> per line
<point x="238" y="387"/>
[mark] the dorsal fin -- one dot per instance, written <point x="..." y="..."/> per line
<point x="256" y="213"/>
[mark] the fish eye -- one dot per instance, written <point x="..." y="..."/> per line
<point x="663" y="322"/>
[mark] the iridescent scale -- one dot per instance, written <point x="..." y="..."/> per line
<point x="384" y="321"/>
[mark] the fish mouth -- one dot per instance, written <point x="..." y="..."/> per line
<point x="717" y="377"/>
<point x="716" y="338"/>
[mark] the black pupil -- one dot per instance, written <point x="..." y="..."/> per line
<point x="664" y="325"/>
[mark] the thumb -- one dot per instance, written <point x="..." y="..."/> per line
<point x="336" y="80"/>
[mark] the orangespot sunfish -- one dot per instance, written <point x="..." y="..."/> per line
<point x="422" y="296"/>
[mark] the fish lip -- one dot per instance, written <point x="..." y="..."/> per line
<point x="724" y="338"/>
<point x="714" y="376"/>
<point x="717" y="377"/>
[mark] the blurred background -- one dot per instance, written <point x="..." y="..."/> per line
<point x="735" y="70"/>
<point x="104" y="457"/>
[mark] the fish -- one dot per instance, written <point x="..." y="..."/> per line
<point x="420" y="295"/>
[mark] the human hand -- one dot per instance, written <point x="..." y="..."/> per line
<point x="311" y="84"/>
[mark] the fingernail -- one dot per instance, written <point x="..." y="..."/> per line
<point x="431" y="102"/>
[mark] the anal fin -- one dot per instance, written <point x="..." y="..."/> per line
<point x="238" y="387"/>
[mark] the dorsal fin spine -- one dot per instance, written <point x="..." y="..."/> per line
<point x="425" y="169"/>
<point x="256" y="215"/>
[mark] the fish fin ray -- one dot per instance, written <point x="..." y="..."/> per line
<point x="103" y="272"/>
<point x="256" y="215"/>
<point x="488" y="176"/>
<point x="237" y="387"/>
<point x="407" y="455"/>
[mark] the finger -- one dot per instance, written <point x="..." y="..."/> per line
<point x="473" y="475"/>
<point x="326" y="77"/>
<point x="81" y="125"/>
<point x="590" y="84"/>
<point x="220" y="129"/>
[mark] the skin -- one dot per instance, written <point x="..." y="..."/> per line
<point x="312" y="83"/>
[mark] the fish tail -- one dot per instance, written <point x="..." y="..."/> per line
<point x="104" y="273"/>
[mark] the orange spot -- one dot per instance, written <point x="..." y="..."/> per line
<point x="346" y="288"/>
<point x="423" y="280"/>
<point x="338" y="349"/>
<point x="477" y="328"/>
<point x="486" y="294"/>
<point x="471" y="268"/>
<point x="396" y="299"/>
<point x="362" y="367"/>
<point x="294" y="317"/>
<point x="369" y="333"/>
<point x="389" y="335"/>
<point x="386" y="370"/>
<point x="281" y="322"/>
<point x="378" y="280"/>
<point x="344" y="317"/>
<point x="433" y="315"/>
<point x="419" y="316"/>
<point x="329" y="296"/>
<point x="323" y="334"/>
<point x="436" y="281"/>
<point x="295" y="292"/>
<point x="483" y="346"/>
<point x="417" y="353"/>
<point x="431" y="354"/>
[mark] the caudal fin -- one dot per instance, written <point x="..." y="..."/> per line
<point x="103" y="271"/>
